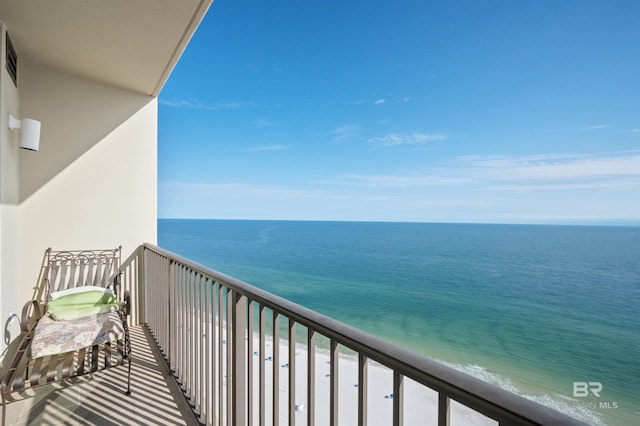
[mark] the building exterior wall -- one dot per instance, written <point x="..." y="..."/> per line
<point x="9" y="180"/>
<point x="92" y="184"/>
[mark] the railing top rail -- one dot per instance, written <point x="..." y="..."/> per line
<point x="474" y="393"/>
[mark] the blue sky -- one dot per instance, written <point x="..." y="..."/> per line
<point x="452" y="111"/>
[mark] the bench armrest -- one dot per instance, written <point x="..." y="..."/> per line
<point x="32" y="311"/>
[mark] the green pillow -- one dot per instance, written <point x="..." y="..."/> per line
<point x="77" y="305"/>
<point x="70" y="312"/>
<point x="93" y="297"/>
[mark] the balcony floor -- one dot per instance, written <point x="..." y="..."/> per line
<point x="99" y="400"/>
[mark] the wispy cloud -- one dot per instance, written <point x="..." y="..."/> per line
<point x="574" y="129"/>
<point x="634" y="131"/>
<point x="432" y="178"/>
<point x="248" y="193"/>
<point x="469" y="188"/>
<point x="263" y="122"/>
<point x="609" y="184"/>
<point x="197" y="104"/>
<point x="345" y="133"/>
<point x="512" y="173"/>
<point x="591" y="128"/>
<point x="244" y="200"/>
<point x="268" y="148"/>
<point x="547" y="167"/>
<point x="411" y="138"/>
<point x="378" y="101"/>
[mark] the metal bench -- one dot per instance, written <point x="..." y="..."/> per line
<point x="53" y="350"/>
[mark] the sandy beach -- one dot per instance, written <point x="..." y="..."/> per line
<point x="420" y="403"/>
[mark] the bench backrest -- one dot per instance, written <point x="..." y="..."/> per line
<point x="74" y="268"/>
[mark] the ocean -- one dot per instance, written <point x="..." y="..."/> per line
<point x="549" y="312"/>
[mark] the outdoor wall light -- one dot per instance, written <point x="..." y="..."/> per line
<point x="29" y="132"/>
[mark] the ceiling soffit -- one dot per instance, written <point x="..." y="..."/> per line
<point x="133" y="44"/>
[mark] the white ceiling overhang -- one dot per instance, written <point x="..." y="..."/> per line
<point x="133" y="44"/>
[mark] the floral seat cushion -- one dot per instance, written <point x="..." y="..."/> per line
<point x="56" y="337"/>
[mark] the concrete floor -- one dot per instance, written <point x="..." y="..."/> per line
<point x="99" y="399"/>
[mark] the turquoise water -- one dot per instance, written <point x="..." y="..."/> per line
<point x="531" y="308"/>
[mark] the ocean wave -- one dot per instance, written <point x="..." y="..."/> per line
<point x="557" y="402"/>
<point x="569" y="407"/>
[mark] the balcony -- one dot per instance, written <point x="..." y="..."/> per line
<point x="98" y="400"/>
<point x="213" y="350"/>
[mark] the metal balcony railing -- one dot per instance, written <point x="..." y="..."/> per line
<point x="215" y="332"/>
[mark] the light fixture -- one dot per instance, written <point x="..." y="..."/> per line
<point x="29" y="132"/>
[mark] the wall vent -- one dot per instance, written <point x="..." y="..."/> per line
<point x="12" y="61"/>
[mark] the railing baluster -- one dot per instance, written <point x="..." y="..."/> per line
<point x="178" y="316"/>
<point x="444" y="405"/>
<point x="186" y="329"/>
<point x="163" y="292"/>
<point x="276" y="364"/>
<point x="173" y="322"/>
<point x="201" y="344"/>
<point x="262" y="354"/>
<point x="138" y="291"/>
<point x="188" y="373"/>
<point x="229" y="358"/>
<point x="160" y="298"/>
<point x="149" y="300"/>
<point x="363" y="387"/>
<point x="128" y="278"/>
<point x="239" y="358"/>
<point x="292" y="372"/>
<point x="209" y="353"/>
<point x="333" y="379"/>
<point x="202" y="335"/>
<point x="181" y="329"/>
<point x="152" y="300"/>
<point x="190" y="331"/>
<point x="195" y="338"/>
<point x="219" y="317"/>
<point x="250" y="367"/>
<point x="398" y="398"/>
<point x="311" y="376"/>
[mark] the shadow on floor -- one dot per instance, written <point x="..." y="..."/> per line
<point x="99" y="399"/>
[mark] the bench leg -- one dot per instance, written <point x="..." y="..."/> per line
<point x="127" y="351"/>
<point x="127" y="348"/>
<point x="128" y="392"/>
<point x="4" y="409"/>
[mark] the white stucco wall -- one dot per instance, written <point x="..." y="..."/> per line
<point x="9" y="219"/>
<point x="92" y="184"/>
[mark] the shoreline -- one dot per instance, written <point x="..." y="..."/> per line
<point x="420" y="403"/>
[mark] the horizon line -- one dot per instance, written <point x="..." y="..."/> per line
<point x="634" y="223"/>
